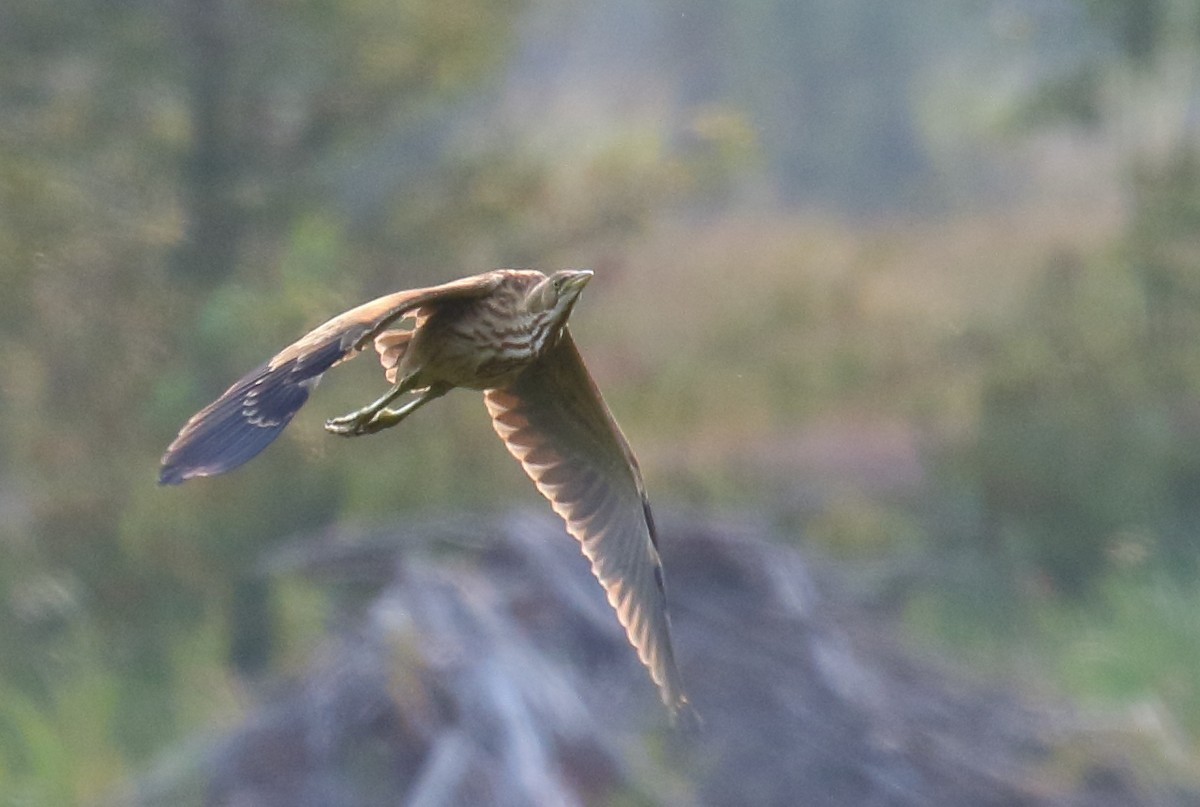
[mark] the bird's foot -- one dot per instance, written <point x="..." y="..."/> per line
<point x="378" y="416"/>
<point x="367" y="421"/>
<point x="354" y="424"/>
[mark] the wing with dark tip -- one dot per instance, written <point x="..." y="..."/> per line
<point x="555" y="422"/>
<point x="252" y="412"/>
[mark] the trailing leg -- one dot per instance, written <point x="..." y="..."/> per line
<point x="376" y="416"/>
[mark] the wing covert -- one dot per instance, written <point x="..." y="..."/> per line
<point x="254" y="410"/>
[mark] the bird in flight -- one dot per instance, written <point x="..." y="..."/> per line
<point x="503" y="332"/>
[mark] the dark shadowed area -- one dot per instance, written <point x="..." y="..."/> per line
<point x="476" y="663"/>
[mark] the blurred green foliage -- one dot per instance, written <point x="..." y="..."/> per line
<point x="184" y="187"/>
<point x="1083" y="458"/>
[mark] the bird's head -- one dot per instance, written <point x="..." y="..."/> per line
<point x="556" y="295"/>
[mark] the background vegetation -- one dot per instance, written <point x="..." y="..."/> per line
<point x="922" y="285"/>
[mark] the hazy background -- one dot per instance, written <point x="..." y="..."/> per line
<point x="916" y="282"/>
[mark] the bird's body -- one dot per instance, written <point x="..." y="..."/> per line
<point x="476" y="343"/>
<point x="503" y="332"/>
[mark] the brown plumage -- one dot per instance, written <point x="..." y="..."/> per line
<point x="503" y="332"/>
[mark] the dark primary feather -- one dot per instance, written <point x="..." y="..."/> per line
<point x="244" y="421"/>
<point x="555" y="422"/>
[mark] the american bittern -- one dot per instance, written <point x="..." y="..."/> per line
<point x="503" y="332"/>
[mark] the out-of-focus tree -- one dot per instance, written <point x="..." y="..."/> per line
<point x="1088" y="429"/>
<point x="827" y="85"/>
<point x="285" y="100"/>
<point x="1136" y="25"/>
<point x="1072" y="448"/>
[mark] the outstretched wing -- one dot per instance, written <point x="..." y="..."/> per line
<point x="555" y="422"/>
<point x="252" y="412"/>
